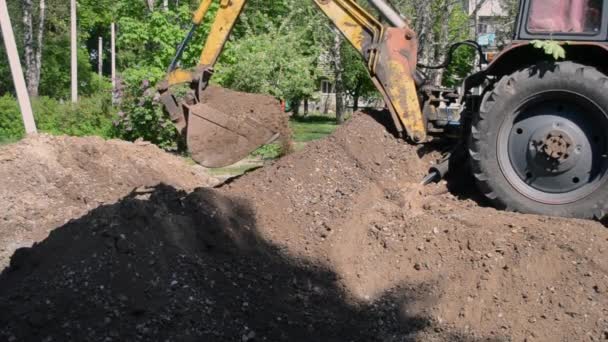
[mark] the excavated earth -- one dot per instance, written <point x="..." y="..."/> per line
<point x="47" y="181"/>
<point x="262" y="109"/>
<point x="337" y="242"/>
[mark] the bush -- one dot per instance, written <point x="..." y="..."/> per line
<point x="143" y="117"/>
<point x="90" y="116"/>
<point x="11" y="125"/>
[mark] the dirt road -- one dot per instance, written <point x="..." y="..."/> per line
<point x="333" y="243"/>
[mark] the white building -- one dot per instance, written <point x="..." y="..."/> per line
<point x="487" y="19"/>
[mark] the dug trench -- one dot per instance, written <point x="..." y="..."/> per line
<point x="337" y="242"/>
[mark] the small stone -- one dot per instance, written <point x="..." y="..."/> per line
<point x="532" y="319"/>
<point x="417" y="267"/>
<point x="122" y="245"/>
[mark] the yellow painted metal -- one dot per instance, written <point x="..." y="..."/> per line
<point x="403" y="97"/>
<point x="179" y="76"/>
<point x="366" y="33"/>
<point x="199" y="15"/>
<point x="226" y="17"/>
<point x="396" y="83"/>
<point x="359" y="27"/>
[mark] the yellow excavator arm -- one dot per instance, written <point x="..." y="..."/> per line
<point x="388" y="49"/>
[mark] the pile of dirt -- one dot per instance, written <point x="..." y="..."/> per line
<point x="49" y="180"/>
<point x="335" y="243"/>
<point x="352" y="202"/>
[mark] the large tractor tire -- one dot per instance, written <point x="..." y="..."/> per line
<point x="540" y="141"/>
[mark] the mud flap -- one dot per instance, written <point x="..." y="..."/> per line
<point x="216" y="139"/>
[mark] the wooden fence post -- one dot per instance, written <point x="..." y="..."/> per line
<point x="74" y="47"/>
<point x="16" y="70"/>
<point x="100" y="57"/>
<point x="113" y="60"/>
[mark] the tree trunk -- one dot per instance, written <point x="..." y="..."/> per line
<point x="424" y="28"/>
<point x="28" y="47"/>
<point x="33" y="48"/>
<point x="306" y="107"/>
<point x="39" y="39"/>
<point x="150" y="4"/>
<point x="295" y="107"/>
<point x="356" y="102"/>
<point x="443" y="41"/>
<point x="339" y="84"/>
<point x="165" y="5"/>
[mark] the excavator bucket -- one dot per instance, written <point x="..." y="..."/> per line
<point x="222" y="126"/>
<point x="217" y="139"/>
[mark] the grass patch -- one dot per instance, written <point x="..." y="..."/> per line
<point x="312" y="127"/>
<point x="232" y="170"/>
<point x="304" y="129"/>
<point x="8" y="140"/>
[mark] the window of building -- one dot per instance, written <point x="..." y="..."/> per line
<point x="326" y="87"/>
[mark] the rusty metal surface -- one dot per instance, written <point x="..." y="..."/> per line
<point x="394" y="73"/>
<point x="505" y="56"/>
<point x="216" y="139"/>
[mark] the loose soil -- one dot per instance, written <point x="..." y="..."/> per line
<point x="337" y="242"/>
<point x="264" y="109"/>
<point x="49" y="180"/>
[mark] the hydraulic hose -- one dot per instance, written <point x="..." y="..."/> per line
<point x="453" y="48"/>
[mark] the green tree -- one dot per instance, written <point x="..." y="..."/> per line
<point x="357" y="81"/>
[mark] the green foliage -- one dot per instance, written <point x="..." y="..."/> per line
<point x="312" y="127"/>
<point x="11" y="126"/>
<point x="91" y="116"/>
<point x="551" y="47"/>
<point x="464" y="57"/>
<point x="270" y="151"/>
<point x="271" y="63"/>
<point x="142" y="117"/>
<point x="148" y="44"/>
<point x="357" y="81"/>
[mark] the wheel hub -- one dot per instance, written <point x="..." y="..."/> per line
<point x="555" y="151"/>
<point x="556" y="146"/>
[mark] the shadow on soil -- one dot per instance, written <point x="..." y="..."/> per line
<point x="163" y="265"/>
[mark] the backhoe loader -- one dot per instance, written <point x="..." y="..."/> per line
<point x="533" y="127"/>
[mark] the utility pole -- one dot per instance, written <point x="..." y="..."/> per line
<point x="74" y="46"/>
<point x="100" y="57"/>
<point x="16" y="70"/>
<point x="113" y="59"/>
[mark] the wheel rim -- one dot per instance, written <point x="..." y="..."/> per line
<point x="553" y="148"/>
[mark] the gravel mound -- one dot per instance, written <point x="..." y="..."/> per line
<point x="334" y="243"/>
<point x="49" y="180"/>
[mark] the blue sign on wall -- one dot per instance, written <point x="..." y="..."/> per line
<point x="487" y="39"/>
